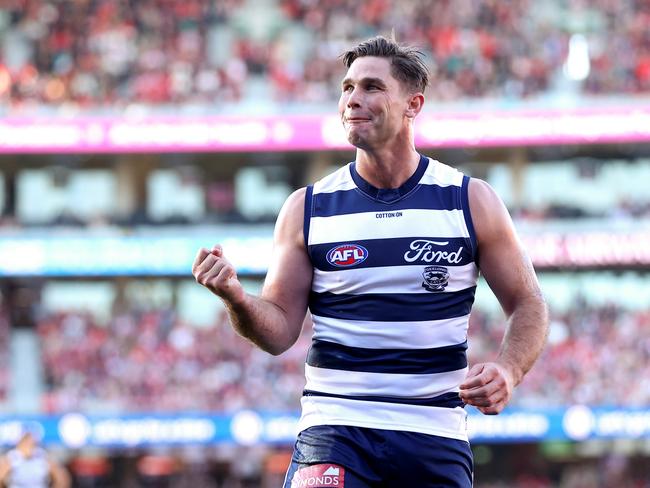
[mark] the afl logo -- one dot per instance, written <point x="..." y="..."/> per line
<point x="347" y="255"/>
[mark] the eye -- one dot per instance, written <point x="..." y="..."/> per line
<point x="347" y="88"/>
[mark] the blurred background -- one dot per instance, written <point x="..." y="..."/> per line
<point x="134" y="132"/>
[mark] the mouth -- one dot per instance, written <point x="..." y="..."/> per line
<point x="356" y="120"/>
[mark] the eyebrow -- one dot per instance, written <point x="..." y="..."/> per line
<point x="366" y="81"/>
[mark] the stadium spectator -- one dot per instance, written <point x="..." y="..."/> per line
<point x="29" y="465"/>
<point x="574" y="369"/>
<point x="152" y="361"/>
<point x="105" y="55"/>
<point x="99" y="367"/>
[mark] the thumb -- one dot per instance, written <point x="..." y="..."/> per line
<point x="217" y="250"/>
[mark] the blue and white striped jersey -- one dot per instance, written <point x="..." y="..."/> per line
<point x="394" y="282"/>
<point x="28" y="472"/>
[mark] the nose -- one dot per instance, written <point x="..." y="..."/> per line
<point x="353" y="99"/>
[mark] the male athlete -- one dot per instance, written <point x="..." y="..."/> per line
<point x="28" y="465"/>
<point x="385" y="252"/>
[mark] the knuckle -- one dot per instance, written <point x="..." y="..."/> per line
<point x="202" y="278"/>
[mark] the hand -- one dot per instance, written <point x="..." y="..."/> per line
<point x="488" y="387"/>
<point x="212" y="270"/>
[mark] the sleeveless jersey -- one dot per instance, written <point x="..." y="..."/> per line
<point x="394" y="282"/>
<point x="31" y="472"/>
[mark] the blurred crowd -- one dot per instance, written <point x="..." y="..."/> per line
<point x="151" y="361"/>
<point x="93" y="54"/>
<point x="99" y="54"/>
<point x="592" y="353"/>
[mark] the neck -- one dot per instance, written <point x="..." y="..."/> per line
<point x="387" y="168"/>
<point x="25" y="451"/>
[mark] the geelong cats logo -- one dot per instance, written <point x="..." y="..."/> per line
<point x="436" y="278"/>
<point x="347" y="255"/>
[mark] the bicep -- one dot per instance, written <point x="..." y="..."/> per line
<point x="289" y="276"/>
<point x="503" y="261"/>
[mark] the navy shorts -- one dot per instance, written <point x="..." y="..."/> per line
<point x="328" y="456"/>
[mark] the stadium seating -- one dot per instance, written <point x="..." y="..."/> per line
<point x="153" y="362"/>
<point x="203" y="55"/>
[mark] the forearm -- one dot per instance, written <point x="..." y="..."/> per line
<point x="525" y="337"/>
<point x="264" y="323"/>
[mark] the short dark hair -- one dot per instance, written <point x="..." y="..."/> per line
<point x="406" y="62"/>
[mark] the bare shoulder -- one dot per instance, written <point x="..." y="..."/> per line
<point x="290" y="220"/>
<point x="483" y="198"/>
<point x="479" y="188"/>
<point x="296" y="201"/>
<point x="489" y="215"/>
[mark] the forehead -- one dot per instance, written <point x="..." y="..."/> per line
<point x="371" y="67"/>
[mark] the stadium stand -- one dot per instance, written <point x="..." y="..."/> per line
<point x="184" y="196"/>
<point x="574" y="368"/>
<point x="152" y="362"/>
<point x="205" y="54"/>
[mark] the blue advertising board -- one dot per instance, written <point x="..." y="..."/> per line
<point x="77" y="430"/>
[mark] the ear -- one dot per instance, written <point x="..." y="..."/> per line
<point x="414" y="106"/>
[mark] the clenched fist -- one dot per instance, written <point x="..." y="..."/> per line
<point x="488" y="387"/>
<point x="212" y="270"/>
